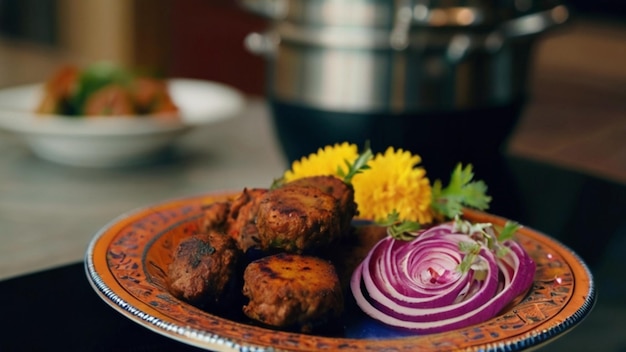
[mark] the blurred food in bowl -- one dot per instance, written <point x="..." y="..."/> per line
<point x="116" y="138"/>
<point x="104" y="89"/>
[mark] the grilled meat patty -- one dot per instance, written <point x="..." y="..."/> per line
<point x="203" y="269"/>
<point x="292" y="291"/>
<point x="286" y="290"/>
<point x="303" y="214"/>
<point x="296" y="218"/>
<point x="343" y="193"/>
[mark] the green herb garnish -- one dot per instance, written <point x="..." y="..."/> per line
<point x="400" y="230"/>
<point x="358" y="166"/>
<point x="483" y="234"/>
<point x="461" y="191"/>
<point x="508" y="231"/>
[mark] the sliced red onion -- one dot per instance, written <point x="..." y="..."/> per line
<point x="418" y="286"/>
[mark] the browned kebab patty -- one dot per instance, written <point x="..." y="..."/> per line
<point x="292" y="291"/>
<point x="285" y="289"/>
<point x="297" y="218"/>
<point x="305" y="214"/>
<point x="343" y="193"/>
<point x="202" y="269"/>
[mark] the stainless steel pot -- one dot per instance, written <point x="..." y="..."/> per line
<point x="445" y="79"/>
<point x="402" y="55"/>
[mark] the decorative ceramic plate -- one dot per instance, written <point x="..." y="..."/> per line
<point x="114" y="140"/>
<point x="126" y="264"/>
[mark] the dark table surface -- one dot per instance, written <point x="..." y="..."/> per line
<point x="58" y="309"/>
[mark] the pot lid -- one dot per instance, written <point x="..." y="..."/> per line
<point x="397" y="24"/>
<point x="386" y="13"/>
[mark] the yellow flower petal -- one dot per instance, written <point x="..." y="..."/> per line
<point x="394" y="183"/>
<point x="326" y="161"/>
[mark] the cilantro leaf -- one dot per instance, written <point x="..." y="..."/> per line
<point x="508" y="231"/>
<point x="471" y="250"/>
<point x="400" y="230"/>
<point x="462" y="191"/>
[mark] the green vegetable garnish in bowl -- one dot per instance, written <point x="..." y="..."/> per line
<point x="104" y="89"/>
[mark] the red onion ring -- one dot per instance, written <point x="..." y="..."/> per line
<point x="417" y="286"/>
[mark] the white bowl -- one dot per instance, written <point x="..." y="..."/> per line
<point x="116" y="140"/>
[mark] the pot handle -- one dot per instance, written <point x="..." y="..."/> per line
<point x="461" y="45"/>
<point x="534" y="23"/>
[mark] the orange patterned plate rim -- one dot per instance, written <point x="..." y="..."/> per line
<point x="124" y="265"/>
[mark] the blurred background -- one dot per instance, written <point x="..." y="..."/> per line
<point x="200" y="39"/>
<point x="205" y="39"/>
<point x="576" y="119"/>
<point x="188" y="38"/>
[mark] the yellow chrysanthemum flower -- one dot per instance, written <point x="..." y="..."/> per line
<point x="325" y="162"/>
<point x="393" y="182"/>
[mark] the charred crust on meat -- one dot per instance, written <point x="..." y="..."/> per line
<point x="292" y="292"/>
<point x="297" y="218"/>
<point x="286" y="243"/>
<point x="204" y="270"/>
<point x="343" y="193"/>
<point x="197" y="250"/>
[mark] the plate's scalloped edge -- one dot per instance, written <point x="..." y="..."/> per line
<point x="203" y="339"/>
<point x="186" y="335"/>
<point x="537" y="339"/>
<point x="206" y="340"/>
<point x="182" y="334"/>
